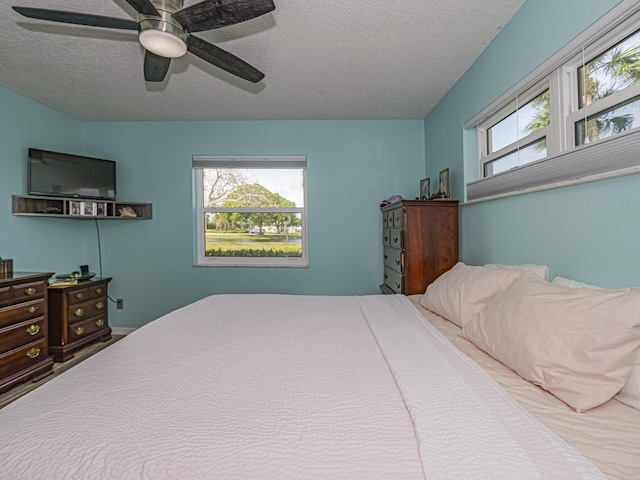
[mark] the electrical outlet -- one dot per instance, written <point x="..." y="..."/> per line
<point x="119" y="303"/>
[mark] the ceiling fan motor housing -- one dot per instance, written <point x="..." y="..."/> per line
<point x="163" y="35"/>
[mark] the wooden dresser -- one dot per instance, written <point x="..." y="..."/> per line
<point x="23" y="328"/>
<point x="78" y="315"/>
<point x="420" y="240"/>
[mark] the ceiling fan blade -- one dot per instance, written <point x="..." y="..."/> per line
<point x="155" y="67"/>
<point x="77" y="18"/>
<point x="144" y="6"/>
<point x="212" y="14"/>
<point x="223" y="59"/>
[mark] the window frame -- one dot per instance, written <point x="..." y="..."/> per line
<point x="519" y="101"/>
<point x="599" y="46"/>
<point x="200" y="162"/>
<point x="564" y="164"/>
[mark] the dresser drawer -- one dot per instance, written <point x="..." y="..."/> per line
<point x="21" y="312"/>
<point x="86" y="327"/>
<point x="28" y="291"/>
<point x="84" y="294"/>
<point x="396" y="239"/>
<point x="21" y="334"/>
<point x="84" y="310"/>
<point x="5" y="296"/>
<point x="23" y="357"/>
<point x="394" y="280"/>
<point x="386" y="237"/>
<point x="398" y="218"/>
<point x="393" y="258"/>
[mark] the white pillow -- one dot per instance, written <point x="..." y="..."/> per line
<point x="541" y="271"/>
<point x="577" y="343"/>
<point x="463" y="291"/>
<point x="630" y="393"/>
<point x="567" y="282"/>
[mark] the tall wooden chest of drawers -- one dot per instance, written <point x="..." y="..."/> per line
<point x="78" y="315"/>
<point x="420" y="241"/>
<point x="24" y="353"/>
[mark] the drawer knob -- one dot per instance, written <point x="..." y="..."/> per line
<point x="79" y="312"/>
<point x="100" y="323"/>
<point x="33" y="352"/>
<point x="100" y="305"/>
<point x="398" y="284"/>
<point x="395" y="239"/>
<point x="32" y="309"/>
<point x="397" y="261"/>
<point x="79" y="331"/>
<point x="385" y="256"/>
<point x="385" y="276"/>
<point x="99" y="290"/>
<point x="30" y="291"/>
<point x="80" y="295"/>
<point x="33" y="329"/>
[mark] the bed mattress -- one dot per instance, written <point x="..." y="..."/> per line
<point x="281" y="387"/>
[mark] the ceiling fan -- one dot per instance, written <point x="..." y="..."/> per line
<point x="165" y="30"/>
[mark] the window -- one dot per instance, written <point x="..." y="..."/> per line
<point x="608" y="100"/>
<point x="251" y="211"/>
<point x="516" y="135"/>
<point x="575" y="118"/>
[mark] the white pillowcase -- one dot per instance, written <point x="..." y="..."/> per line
<point x="630" y="393"/>
<point x="577" y="343"/>
<point x="541" y="271"/>
<point x="463" y="291"/>
<point x="567" y="282"/>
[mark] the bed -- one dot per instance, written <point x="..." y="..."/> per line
<point x="307" y="387"/>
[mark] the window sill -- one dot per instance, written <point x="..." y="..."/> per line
<point x="253" y="264"/>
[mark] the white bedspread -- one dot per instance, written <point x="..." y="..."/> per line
<point x="280" y="387"/>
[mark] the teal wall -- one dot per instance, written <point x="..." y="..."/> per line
<point x="352" y="166"/>
<point x="589" y="232"/>
<point x="34" y="244"/>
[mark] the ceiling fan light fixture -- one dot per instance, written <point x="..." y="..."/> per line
<point x="163" y="38"/>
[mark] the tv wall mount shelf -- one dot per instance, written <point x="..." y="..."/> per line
<point x="82" y="208"/>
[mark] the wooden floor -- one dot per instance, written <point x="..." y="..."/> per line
<point x="24" y="388"/>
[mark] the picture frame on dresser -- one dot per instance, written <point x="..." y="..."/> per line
<point x="425" y="188"/>
<point x="444" y="183"/>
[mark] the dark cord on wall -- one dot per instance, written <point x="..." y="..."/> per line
<point x="99" y="247"/>
<point x="100" y="255"/>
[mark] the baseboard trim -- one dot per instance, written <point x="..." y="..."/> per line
<point x="122" y="330"/>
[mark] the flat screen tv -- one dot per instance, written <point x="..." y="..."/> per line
<point x="65" y="175"/>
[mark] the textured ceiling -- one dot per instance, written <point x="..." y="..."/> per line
<point x="331" y="59"/>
